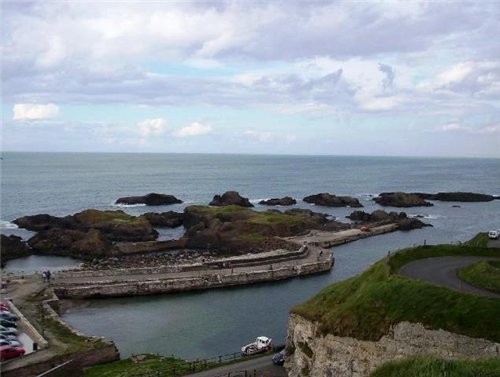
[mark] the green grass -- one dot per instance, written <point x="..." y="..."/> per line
<point x="151" y="366"/>
<point x="367" y="305"/>
<point x="399" y="259"/>
<point x="480" y="240"/>
<point x="433" y="367"/>
<point x="485" y="274"/>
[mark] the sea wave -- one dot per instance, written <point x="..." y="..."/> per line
<point x="425" y="216"/>
<point x="4" y="224"/>
<point x="256" y="201"/>
<point x="128" y="205"/>
<point x="366" y="195"/>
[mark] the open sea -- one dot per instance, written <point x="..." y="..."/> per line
<point x="210" y="323"/>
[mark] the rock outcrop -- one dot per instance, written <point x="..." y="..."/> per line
<point x="457" y="197"/>
<point x="380" y="217"/>
<point x="401" y="199"/>
<point x="152" y="199"/>
<point x="332" y="355"/>
<point x="230" y="198"/>
<point x="168" y="219"/>
<point x="12" y="247"/>
<point x="285" y="201"/>
<point x="86" y="234"/>
<point x="238" y="230"/>
<point x="40" y="222"/>
<point x="69" y="242"/>
<point x="330" y="200"/>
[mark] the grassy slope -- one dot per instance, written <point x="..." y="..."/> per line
<point x="484" y="274"/>
<point x="433" y="367"/>
<point x="151" y="366"/>
<point x="366" y="305"/>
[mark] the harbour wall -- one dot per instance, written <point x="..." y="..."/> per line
<point x="204" y="280"/>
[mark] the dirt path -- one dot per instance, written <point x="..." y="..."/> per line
<point x="442" y="271"/>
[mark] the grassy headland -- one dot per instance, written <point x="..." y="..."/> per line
<point x="485" y="274"/>
<point x="367" y="305"/>
<point x="433" y="367"/>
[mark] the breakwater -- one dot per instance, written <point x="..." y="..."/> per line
<point x="146" y="284"/>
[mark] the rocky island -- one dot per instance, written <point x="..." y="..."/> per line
<point x="330" y="200"/>
<point x="151" y="199"/>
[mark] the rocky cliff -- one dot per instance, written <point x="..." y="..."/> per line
<point x="329" y="355"/>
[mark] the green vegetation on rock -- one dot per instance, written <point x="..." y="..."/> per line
<point x="238" y="229"/>
<point x="367" y="305"/>
<point x="434" y="367"/>
<point x="485" y="274"/>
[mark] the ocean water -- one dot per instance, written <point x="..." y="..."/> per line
<point x="205" y="324"/>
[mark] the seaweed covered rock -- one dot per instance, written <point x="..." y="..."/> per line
<point x="285" y="201"/>
<point x="230" y="198"/>
<point x="331" y="200"/>
<point x="168" y="219"/>
<point x="77" y="243"/>
<point x="457" y="197"/>
<point x="40" y="222"/>
<point x="401" y="199"/>
<point x="380" y="217"/>
<point x="12" y="247"/>
<point x="152" y="199"/>
<point x="116" y="225"/>
<point x="236" y="230"/>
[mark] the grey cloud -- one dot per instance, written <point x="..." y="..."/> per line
<point x="389" y="75"/>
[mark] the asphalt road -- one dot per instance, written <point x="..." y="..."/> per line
<point x="263" y="367"/>
<point x="443" y="271"/>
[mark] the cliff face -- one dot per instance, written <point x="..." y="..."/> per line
<point x="329" y="356"/>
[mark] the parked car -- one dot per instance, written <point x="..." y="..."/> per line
<point x="12" y="343"/>
<point x="7" y="323"/>
<point x="8" y="330"/>
<point x="494" y="234"/>
<point x="279" y="358"/>
<point x="9" y="352"/>
<point x="8" y="316"/>
<point x="7" y="337"/>
<point x="261" y="344"/>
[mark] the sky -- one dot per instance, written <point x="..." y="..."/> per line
<point x="385" y="78"/>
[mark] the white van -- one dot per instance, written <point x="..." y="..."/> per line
<point x="493" y="234"/>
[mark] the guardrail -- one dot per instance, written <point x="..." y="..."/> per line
<point x="201" y="365"/>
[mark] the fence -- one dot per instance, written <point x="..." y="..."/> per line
<point x="176" y="368"/>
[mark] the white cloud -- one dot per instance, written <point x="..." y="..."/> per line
<point x="269" y="137"/>
<point x="156" y="126"/>
<point x="194" y="129"/>
<point x="478" y="130"/>
<point x="455" y="73"/>
<point x="25" y="111"/>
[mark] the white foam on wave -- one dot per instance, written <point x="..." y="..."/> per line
<point x="366" y="195"/>
<point x="128" y="205"/>
<point x="7" y="225"/>
<point x="256" y="201"/>
<point x="425" y="216"/>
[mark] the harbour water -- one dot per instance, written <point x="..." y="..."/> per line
<point x="204" y="324"/>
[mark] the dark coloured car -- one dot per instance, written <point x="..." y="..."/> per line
<point x="7" y="337"/>
<point x="8" y="316"/>
<point x="279" y="358"/>
<point x="8" y="352"/>
<point x="7" y="323"/>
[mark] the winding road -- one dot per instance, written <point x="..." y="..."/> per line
<point x="263" y="367"/>
<point x="442" y="271"/>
